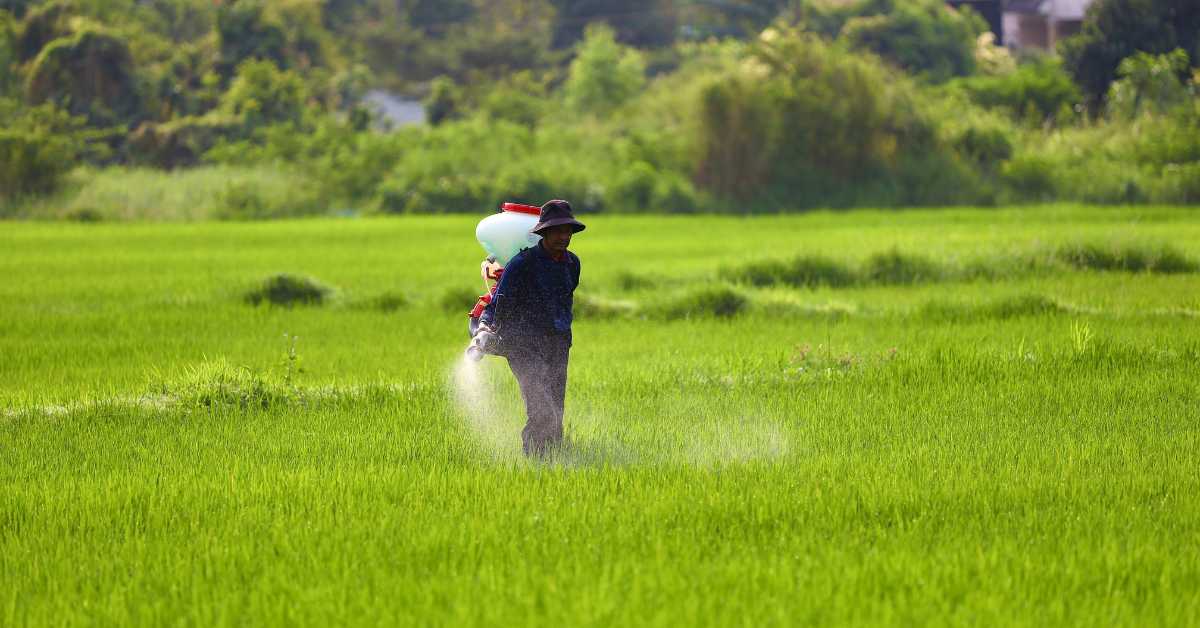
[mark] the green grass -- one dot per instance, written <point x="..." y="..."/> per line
<point x="1008" y="448"/>
<point x="194" y="194"/>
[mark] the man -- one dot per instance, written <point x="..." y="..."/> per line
<point x="531" y="312"/>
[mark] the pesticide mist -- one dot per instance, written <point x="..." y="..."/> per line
<point x="478" y="402"/>
<point x="705" y="431"/>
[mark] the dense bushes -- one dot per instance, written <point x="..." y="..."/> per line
<point x="1116" y="29"/>
<point x="836" y="105"/>
<point x="802" y="123"/>
<point x="182" y="142"/>
<point x="1040" y="88"/>
<point x="924" y="37"/>
<point x="1151" y="158"/>
<point x="38" y="147"/>
<point x="604" y="74"/>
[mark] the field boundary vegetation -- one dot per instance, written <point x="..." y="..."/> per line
<point x="246" y="110"/>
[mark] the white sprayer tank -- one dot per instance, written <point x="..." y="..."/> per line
<point x="503" y="235"/>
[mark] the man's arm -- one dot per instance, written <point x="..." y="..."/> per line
<point x="505" y="292"/>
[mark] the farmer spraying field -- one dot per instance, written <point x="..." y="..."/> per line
<point x="527" y="316"/>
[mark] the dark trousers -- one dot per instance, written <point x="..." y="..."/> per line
<point x="541" y="370"/>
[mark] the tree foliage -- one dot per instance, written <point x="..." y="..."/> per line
<point x="42" y="25"/>
<point x="1150" y="83"/>
<point x="803" y="122"/>
<point x="444" y="102"/>
<point x="1039" y="87"/>
<point x="90" y="73"/>
<point x="37" y="148"/>
<point x="643" y="23"/>
<point x="245" y="33"/>
<point x="924" y="37"/>
<point x="263" y="94"/>
<point x="8" y="52"/>
<point x="1116" y="29"/>
<point x="604" y="74"/>
<point x="843" y="102"/>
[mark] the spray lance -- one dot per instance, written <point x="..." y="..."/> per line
<point x="502" y="235"/>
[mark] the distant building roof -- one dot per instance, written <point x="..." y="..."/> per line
<point x="1058" y="9"/>
<point x="1024" y="6"/>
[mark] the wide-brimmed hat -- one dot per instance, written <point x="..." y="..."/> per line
<point x="557" y="213"/>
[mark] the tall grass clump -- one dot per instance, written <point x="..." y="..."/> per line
<point x="389" y="301"/>
<point x="629" y="281"/>
<point x="895" y="267"/>
<point x="289" y="290"/>
<point x="1151" y="258"/>
<point x="587" y="306"/>
<point x="718" y="302"/>
<point x="1008" y="307"/>
<point x="201" y="193"/>
<point x="807" y="271"/>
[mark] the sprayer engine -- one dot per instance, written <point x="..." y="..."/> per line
<point x="502" y="235"/>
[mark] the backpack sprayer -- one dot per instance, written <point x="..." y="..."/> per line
<point x="502" y="235"/>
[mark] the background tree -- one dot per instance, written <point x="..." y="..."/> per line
<point x="924" y="37"/>
<point x="643" y="23"/>
<point x="243" y="33"/>
<point x="444" y="102"/>
<point x="504" y="37"/>
<point x="8" y="52"/>
<point x="90" y="73"/>
<point x="1149" y="82"/>
<point x="435" y="18"/>
<point x="1115" y="29"/>
<point x="604" y="74"/>
<point x="43" y="24"/>
<point x="735" y="18"/>
<point x="16" y="7"/>
<point x="263" y="94"/>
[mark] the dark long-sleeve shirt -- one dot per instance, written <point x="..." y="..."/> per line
<point x="534" y="298"/>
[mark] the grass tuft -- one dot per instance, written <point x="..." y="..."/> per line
<point x="289" y="290"/>
<point x="218" y="384"/>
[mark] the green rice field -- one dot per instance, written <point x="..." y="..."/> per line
<point x="929" y="417"/>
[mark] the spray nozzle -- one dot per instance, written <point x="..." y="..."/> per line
<point x="482" y="343"/>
